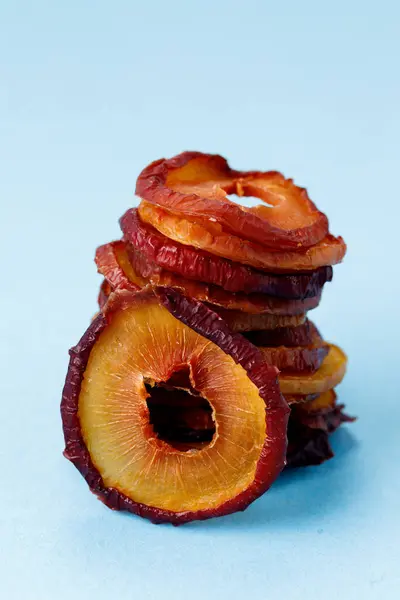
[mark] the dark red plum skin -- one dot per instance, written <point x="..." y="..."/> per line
<point x="207" y="323"/>
<point x="308" y="435"/>
<point x="199" y="265"/>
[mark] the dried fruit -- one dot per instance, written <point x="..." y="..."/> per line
<point x="215" y="295"/>
<point x="309" y="431"/>
<point x="128" y="272"/>
<point x="104" y="292"/>
<point x="168" y="412"/>
<point x="113" y="263"/>
<point x="211" y="237"/>
<point x="300" y="359"/>
<point x="292" y="349"/>
<point x="140" y="341"/>
<point x="196" y="185"/>
<point x="163" y="253"/>
<point x="240" y="322"/>
<point x="329" y="375"/>
<point x="301" y="335"/>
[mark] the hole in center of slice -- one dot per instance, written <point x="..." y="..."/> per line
<point x="179" y="415"/>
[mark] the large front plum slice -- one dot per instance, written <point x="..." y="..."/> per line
<point x="143" y="339"/>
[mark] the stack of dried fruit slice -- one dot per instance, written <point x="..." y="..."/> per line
<point x="176" y="402"/>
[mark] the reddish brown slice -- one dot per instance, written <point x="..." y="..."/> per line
<point x="196" y="185"/>
<point x="302" y="335"/>
<point x="191" y="263"/>
<point x="130" y="270"/>
<point x="217" y="296"/>
<point x="297" y="360"/>
<point x="309" y="431"/>
<point x="143" y="340"/>
<point x="292" y="349"/>
<point x="210" y="236"/>
<point x="329" y="375"/>
<point x="240" y="322"/>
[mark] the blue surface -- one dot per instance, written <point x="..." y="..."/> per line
<point x="91" y="92"/>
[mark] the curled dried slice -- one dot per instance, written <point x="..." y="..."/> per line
<point x="130" y="270"/>
<point x="217" y="296"/>
<point x="191" y="263"/>
<point x="299" y="359"/>
<point x="196" y="185"/>
<point x="104" y="293"/>
<point x="241" y="322"/>
<point x="143" y="340"/>
<point x="329" y="375"/>
<point x="113" y="263"/>
<point x="211" y="237"/>
<point x="302" y="335"/>
<point x="238" y="321"/>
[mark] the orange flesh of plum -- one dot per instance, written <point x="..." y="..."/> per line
<point x="146" y="344"/>
<point x="286" y="212"/>
<point x="209" y="236"/>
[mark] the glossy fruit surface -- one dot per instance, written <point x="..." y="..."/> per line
<point x="192" y="263"/>
<point x="196" y="185"/>
<point x="210" y="236"/>
<point x="143" y="340"/>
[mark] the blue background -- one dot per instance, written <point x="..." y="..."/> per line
<point x="90" y="92"/>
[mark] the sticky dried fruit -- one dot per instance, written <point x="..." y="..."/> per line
<point x="329" y="375"/>
<point x="211" y="237"/>
<point x="128" y="272"/>
<point x="196" y="185"/>
<point x="162" y="253"/>
<point x="143" y="340"/>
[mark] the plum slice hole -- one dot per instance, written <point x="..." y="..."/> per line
<point x="249" y="201"/>
<point x="179" y="415"/>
